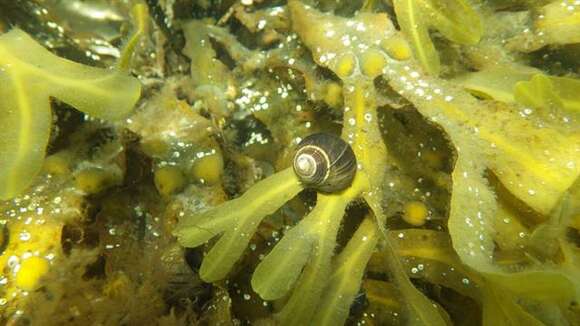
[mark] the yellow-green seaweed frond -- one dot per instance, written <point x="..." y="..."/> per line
<point x="236" y="220"/>
<point x="29" y="76"/>
<point x="455" y="19"/>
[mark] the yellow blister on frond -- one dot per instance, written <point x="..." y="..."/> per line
<point x="347" y="46"/>
<point x="455" y="19"/>
<point x="29" y="76"/>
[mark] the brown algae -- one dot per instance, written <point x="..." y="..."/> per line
<point x="170" y="198"/>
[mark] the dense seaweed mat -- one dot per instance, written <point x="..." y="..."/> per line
<point x="155" y="186"/>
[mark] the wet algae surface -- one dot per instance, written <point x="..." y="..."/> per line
<point x="147" y="151"/>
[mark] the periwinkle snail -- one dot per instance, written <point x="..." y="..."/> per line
<point x="325" y="162"/>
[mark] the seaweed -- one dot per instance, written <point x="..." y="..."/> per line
<point x="557" y="95"/>
<point x="455" y="19"/>
<point x="349" y="265"/>
<point x="464" y="208"/>
<point x="30" y="75"/>
<point x="434" y="250"/>
<point x="527" y="86"/>
<point x="555" y="23"/>
<point x="303" y="256"/>
<point x="357" y="50"/>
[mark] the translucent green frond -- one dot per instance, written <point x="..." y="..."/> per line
<point x="455" y="19"/>
<point x="302" y="260"/>
<point x="304" y="300"/>
<point x="345" y="282"/>
<point x="545" y="92"/>
<point x="535" y="163"/>
<point x="140" y="17"/>
<point x="525" y="85"/>
<point x="237" y="220"/>
<point x="496" y="82"/>
<point x="314" y="236"/>
<point x="498" y="294"/>
<point x="420" y="310"/>
<point x="278" y="272"/>
<point x="29" y="76"/>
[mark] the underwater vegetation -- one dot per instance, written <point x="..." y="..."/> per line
<point x="290" y="162"/>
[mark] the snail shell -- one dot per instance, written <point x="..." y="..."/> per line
<point x="325" y="162"/>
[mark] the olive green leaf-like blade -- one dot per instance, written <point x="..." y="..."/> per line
<point x="280" y="269"/>
<point x="218" y="262"/>
<point x="500" y="309"/>
<point x="312" y="237"/>
<point x="526" y="85"/>
<point x="410" y="19"/>
<point x="420" y="309"/>
<point x="305" y="298"/>
<point x="498" y="293"/>
<point x="537" y="93"/>
<point x="496" y="82"/>
<point x="556" y="23"/>
<point x="535" y="163"/>
<point x="455" y="19"/>
<point x="193" y="231"/>
<point x="24" y="133"/>
<point x="237" y="219"/>
<point x="346" y="279"/>
<point x="544" y="92"/>
<point x="29" y="76"/>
